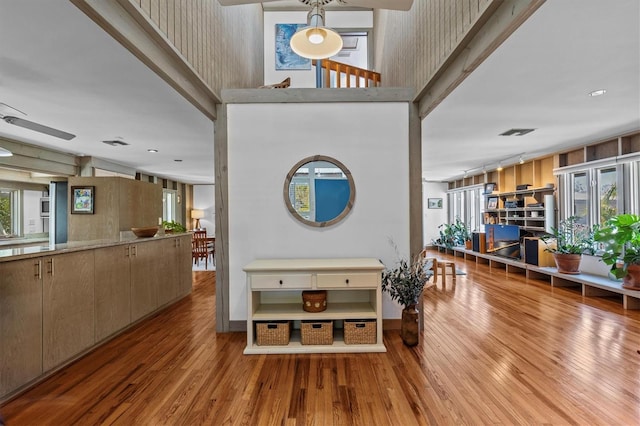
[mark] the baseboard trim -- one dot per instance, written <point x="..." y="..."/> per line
<point x="236" y="326"/>
<point x="391" y="324"/>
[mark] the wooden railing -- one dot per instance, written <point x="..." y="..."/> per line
<point x="347" y="75"/>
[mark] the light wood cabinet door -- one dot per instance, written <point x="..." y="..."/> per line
<point x="184" y="265"/>
<point x="176" y="270"/>
<point x="20" y="323"/>
<point x="112" y="290"/>
<point x="168" y="288"/>
<point x="68" y="306"/>
<point x="146" y="260"/>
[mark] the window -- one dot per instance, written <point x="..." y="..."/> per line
<point x="169" y="197"/>
<point x="607" y="194"/>
<point x="20" y="214"/>
<point x="580" y="197"/>
<point x="6" y="212"/>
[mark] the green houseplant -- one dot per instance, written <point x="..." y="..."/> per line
<point x="567" y="243"/>
<point x="405" y="283"/>
<point x="453" y="234"/>
<point x="620" y="237"/>
<point x="173" y="226"/>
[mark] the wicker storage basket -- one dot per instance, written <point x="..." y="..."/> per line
<point x="359" y="332"/>
<point x="274" y="333"/>
<point x="314" y="300"/>
<point x="317" y="332"/>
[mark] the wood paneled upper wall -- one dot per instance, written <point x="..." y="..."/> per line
<point x="438" y="43"/>
<point x="222" y="44"/>
<point x="422" y="39"/>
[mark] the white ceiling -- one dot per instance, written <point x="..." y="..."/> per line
<point x="65" y="72"/>
<point x="540" y="78"/>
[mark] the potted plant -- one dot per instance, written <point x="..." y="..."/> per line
<point x="173" y="226"/>
<point x="404" y="283"/>
<point x="454" y="234"/>
<point x="620" y="236"/>
<point x="567" y="242"/>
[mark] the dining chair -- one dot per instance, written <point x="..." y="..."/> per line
<point x="199" y="248"/>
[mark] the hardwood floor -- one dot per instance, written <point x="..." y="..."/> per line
<point x="496" y="349"/>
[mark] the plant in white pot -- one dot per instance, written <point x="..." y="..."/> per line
<point x="405" y="283"/>
<point x="567" y="243"/>
<point x="620" y="236"/>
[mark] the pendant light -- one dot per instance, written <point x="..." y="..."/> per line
<point x="315" y="41"/>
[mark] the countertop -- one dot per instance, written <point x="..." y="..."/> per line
<point x="18" y="252"/>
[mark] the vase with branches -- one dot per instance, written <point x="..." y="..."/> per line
<point x="404" y="284"/>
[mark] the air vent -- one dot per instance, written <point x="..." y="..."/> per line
<point x="516" y="132"/>
<point x="116" y="142"/>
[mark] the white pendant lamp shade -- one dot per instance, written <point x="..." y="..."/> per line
<point x="316" y="42"/>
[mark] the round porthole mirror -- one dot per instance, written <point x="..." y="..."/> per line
<point x="319" y="191"/>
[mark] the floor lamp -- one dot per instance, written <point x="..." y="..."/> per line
<point x="197" y="215"/>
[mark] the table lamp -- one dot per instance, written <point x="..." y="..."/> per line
<point x="197" y="215"/>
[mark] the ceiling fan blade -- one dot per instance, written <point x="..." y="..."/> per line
<point x="380" y="4"/>
<point x="239" y="2"/>
<point x="38" y="127"/>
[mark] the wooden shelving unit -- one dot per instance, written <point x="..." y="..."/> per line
<point x="528" y="218"/>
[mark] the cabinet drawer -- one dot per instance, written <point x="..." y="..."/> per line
<point x="359" y="280"/>
<point x="281" y="281"/>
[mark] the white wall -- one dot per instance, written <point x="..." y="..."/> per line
<point x="433" y="217"/>
<point x="266" y="140"/>
<point x="303" y="78"/>
<point x="204" y="199"/>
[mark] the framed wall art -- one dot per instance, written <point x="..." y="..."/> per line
<point x="82" y="199"/>
<point x="434" y="203"/>
<point x="492" y="203"/>
<point x="286" y="58"/>
<point x="490" y="187"/>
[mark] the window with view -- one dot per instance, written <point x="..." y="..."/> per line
<point x="607" y="194"/>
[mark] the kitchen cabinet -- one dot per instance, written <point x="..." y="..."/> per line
<point x="146" y="269"/>
<point x="20" y="323"/>
<point x="68" y="313"/>
<point x="112" y="290"/>
<point x="58" y="302"/>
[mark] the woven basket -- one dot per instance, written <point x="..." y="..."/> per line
<point x="314" y="300"/>
<point x="360" y="332"/>
<point x="316" y="332"/>
<point x="274" y="333"/>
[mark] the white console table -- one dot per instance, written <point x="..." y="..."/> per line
<point x="274" y="293"/>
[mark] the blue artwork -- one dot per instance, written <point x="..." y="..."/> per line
<point x="286" y="58"/>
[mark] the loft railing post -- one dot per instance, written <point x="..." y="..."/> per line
<point x="318" y="73"/>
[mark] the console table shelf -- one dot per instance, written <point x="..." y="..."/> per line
<point x="274" y="293"/>
<point x="294" y="311"/>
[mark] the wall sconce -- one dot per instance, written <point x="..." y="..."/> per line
<point x="197" y="215"/>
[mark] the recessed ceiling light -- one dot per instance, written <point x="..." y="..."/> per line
<point x="598" y="92"/>
<point x="152" y="150"/>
